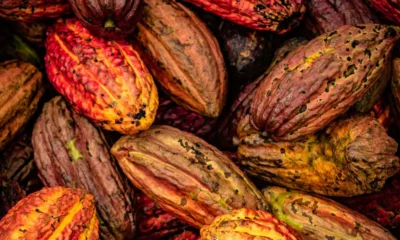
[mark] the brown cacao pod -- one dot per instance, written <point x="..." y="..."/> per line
<point x="395" y="89"/>
<point x="227" y="126"/>
<point x="108" y="19"/>
<point x="352" y="156"/>
<point x="267" y="15"/>
<point x="33" y="32"/>
<point x="52" y="213"/>
<point x="10" y="194"/>
<point x="31" y="10"/>
<point x="321" y="80"/>
<point x="390" y="9"/>
<point x="104" y="80"/>
<point x="317" y="218"/>
<point x="21" y="88"/>
<point x="183" y="56"/>
<point x="184" y="175"/>
<point x="70" y="151"/>
<point x="248" y="224"/>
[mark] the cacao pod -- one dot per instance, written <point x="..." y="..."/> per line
<point x="184" y="175"/>
<point x="395" y="87"/>
<point x="183" y="56"/>
<point x="267" y="15"/>
<point x="10" y="194"/>
<point x="21" y="88"/>
<point x="104" y="80"/>
<point x="317" y="218"/>
<point x="352" y="156"/>
<point x="186" y="235"/>
<point x="248" y="224"/>
<point x="382" y="207"/>
<point x="108" y="19"/>
<point x="381" y="111"/>
<point x="390" y="9"/>
<point x="70" y="151"/>
<point x="31" y="10"/>
<point x="33" y="32"/>
<point x="321" y="80"/>
<point x="227" y="126"/>
<point x="52" y="213"/>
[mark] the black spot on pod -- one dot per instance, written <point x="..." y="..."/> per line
<point x="183" y="201"/>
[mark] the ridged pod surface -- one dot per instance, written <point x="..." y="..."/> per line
<point x="390" y="9"/>
<point x="104" y="80"/>
<point x="352" y="156"/>
<point x="266" y="15"/>
<point x="248" y="224"/>
<point x="52" y="213"/>
<point x="184" y="175"/>
<point x="21" y="88"/>
<point x="69" y="151"/>
<point x="183" y="56"/>
<point x="321" y="80"/>
<point x="31" y="10"/>
<point x="317" y="218"/>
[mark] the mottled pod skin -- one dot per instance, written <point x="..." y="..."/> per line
<point x="266" y="15"/>
<point x="248" y="224"/>
<point x="183" y="56"/>
<point x="21" y="88"/>
<point x="390" y="9"/>
<point x="184" y="175"/>
<point x="31" y="10"/>
<point x="317" y="218"/>
<point x="321" y="80"/>
<point x="104" y="80"/>
<point x="352" y="156"/>
<point x="52" y="213"/>
<point x="69" y="151"/>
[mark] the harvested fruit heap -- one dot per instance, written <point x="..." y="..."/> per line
<point x="199" y="119"/>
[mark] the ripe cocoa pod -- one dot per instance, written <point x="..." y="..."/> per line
<point x="317" y="218"/>
<point x="52" y="213"/>
<point x="390" y="9"/>
<point x="31" y="10"/>
<point x="21" y="88"/>
<point x="69" y="151"/>
<point x="10" y="194"/>
<point x="264" y="15"/>
<point x="321" y="80"/>
<point x="248" y="224"/>
<point x="184" y="175"/>
<point x="104" y="80"/>
<point x="352" y="156"/>
<point x="183" y="56"/>
<point x="227" y="126"/>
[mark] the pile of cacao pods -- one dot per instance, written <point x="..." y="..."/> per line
<point x="199" y="119"/>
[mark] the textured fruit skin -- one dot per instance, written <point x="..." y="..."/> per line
<point x="184" y="175"/>
<point x="321" y="80"/>
<point x="247" y="224"/>
<point x="186" y="235"/>
<point x="177" y="47"/>
<point x="69" y="151"/>
<point x="169" y="113"/>
<point x="266" y="15"/>
<point x="317" y="218"/>
<point x="352" y="156"/>
<point x="21" y="88"/>
<point x="227" y="125"/>
<point x="108" y="19"/>
<point x="382" y="207"/>
<point x="31" y="10"/>
<point x="10" y="194"/>
<point x="16" y="163"/>
<point x="33" y="32"/>
<point x="52" y="213"/>
<point x="104" y="80"/>
<point x="382" y="112"/>
<point x="390" y="9"/>
<point x="395" y="89"/>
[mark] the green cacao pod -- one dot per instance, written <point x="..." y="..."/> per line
<point x="21" y="88"/>
<point x="321" y="80"/>
<point x="69" y="151"/>
<point x="184" y="175"/>
<point x="104" y="80"/>
<point x="317" y="218"/>
<point x="183" y="56"/>
<point x="352" y="156"/>
<point x="390" y="9"/>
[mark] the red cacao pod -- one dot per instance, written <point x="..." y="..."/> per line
<point x="390" y="9"/>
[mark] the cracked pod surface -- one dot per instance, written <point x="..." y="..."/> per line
<point x="353" y="156"/>
<point x="105" y="81"/>
<point x="52" y="213"/>
<point x="184" y="175"/>
<point x="69" y="151"/>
